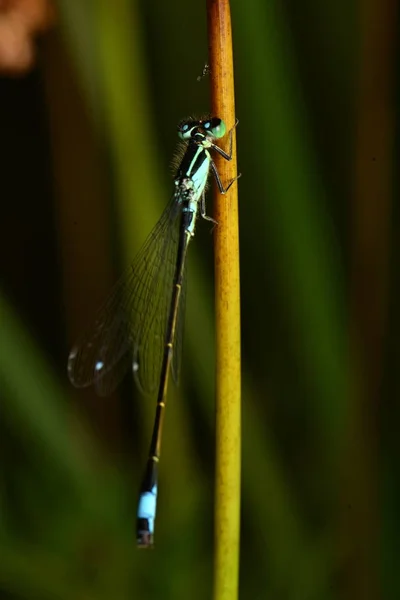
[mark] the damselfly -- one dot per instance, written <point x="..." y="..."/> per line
<point x="141" y="323"/>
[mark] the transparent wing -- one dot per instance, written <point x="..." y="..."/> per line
<point x="129" y="329"/>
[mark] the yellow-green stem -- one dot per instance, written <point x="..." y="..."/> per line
<point x="227" y="304"/>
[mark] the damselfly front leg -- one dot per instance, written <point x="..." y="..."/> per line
<point x="227" y="156"/>
<point x="222" y="189"/>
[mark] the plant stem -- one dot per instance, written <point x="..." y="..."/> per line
<point x="227" y="303"/>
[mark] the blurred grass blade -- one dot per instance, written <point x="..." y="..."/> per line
<point x="33" y="403"/>
<point x="295" y="216"/>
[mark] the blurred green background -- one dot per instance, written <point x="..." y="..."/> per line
<point x="86" y="140"/>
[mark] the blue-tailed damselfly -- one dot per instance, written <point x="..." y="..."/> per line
<point x="141" y="323"/>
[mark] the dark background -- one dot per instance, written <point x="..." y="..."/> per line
<point x="86" y="140"/>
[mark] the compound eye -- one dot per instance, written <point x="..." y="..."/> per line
<point x="185" y="129"/>
<point x="215" y="127"/>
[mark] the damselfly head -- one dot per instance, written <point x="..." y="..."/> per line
<point x="212" y="127"/>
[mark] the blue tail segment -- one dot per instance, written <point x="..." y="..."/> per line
<point x="147" y="507"/>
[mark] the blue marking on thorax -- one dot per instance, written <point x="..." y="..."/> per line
<point x="191" y="181"/>
<point x="199" y="177"/>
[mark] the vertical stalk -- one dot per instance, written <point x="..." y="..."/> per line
<point x="227" y="304"/>
<point x="373" y="189"/>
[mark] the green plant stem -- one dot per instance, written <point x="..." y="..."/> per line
<point x="227" y="303"/>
